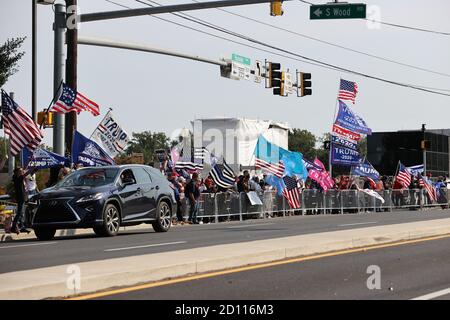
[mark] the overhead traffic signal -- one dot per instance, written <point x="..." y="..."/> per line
<point x="275" y="78"/>
<point x="279" y="89"/>
<point x="305" y="84"/>
<point x="276" y="8"/>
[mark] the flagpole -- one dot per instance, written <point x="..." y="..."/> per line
<point x="330" y="166"/>
<point x="396" y="172"/>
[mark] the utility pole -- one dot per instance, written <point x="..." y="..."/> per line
<point x="34" y="61"/>
<point x="71" y="67"/>
<point x="59" y="27"/>
<point x="424" y="150"/>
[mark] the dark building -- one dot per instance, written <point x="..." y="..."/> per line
<point x="385" y="149"/>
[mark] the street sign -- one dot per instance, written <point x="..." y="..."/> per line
<point x="338" y="11"/>
<point x="288" y="83"/>
<point x="258" y="71"/>
<point x="240" y="67"/>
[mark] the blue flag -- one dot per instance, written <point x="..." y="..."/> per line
<point x="275" y="182"/>
<point x="344" y="142"/>
<point x="41" y="159"/>
<point x="365" y="170"/>
<point x="273" y="154"/>
<point x="89" y="153"/>
<point x="346" y="118"/>
<point x="344" y="156"/>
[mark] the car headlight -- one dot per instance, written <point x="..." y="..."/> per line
<point x="91" y="197"/>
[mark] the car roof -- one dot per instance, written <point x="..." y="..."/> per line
<point x="122" y="166"/>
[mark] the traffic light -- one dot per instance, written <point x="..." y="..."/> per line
<point x="276" y="8"/>
<point x="273" y="76"/>
<point x="279" y="89"/>
<point x="45" y="118"/>
<point x="305" y="84"/>
<point x="425" y="144"/>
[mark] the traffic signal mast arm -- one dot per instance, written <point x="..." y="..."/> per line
<point x="108" y="15"/>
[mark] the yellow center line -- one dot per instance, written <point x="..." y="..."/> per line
<point x="248" y="268"/>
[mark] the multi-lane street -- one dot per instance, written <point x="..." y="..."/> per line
<point x="32" y="254"/>
<point x="409" y="271"/>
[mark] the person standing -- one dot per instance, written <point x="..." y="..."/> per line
<point x="192" y="192"/>
<point x="176" y="189"/>
<point x="21" y="196"/>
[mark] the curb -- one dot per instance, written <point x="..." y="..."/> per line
<point x="11" y="237"/>
<point x="122" y="272"/>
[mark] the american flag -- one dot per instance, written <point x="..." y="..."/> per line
<point x="71" y="100"/>
<point x="428" y="185"/>
<point x="22" y="130"/>
<point x="277" y="169"/>
<point x="223" y="177"/>
<point x="348" y="90"/>
<point x="291" y="192"/>
<point x="403" y="176"/>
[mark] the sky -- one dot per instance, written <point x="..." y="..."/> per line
<point x="162" y="93"/>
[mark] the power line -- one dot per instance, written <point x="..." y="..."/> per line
<point x="332" y="44"/>
<point x="397" y="25"/>
<point x="223" y="38"/>
<point x="321" y="63"/>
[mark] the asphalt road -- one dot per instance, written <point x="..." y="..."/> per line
<point x="406" y="272"/>
<point x="31" y="254"/>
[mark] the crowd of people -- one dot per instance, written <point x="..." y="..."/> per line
<point x="191" y="186"/>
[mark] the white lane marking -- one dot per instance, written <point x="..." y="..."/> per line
<point x="433" y="295"/>
<point x="145" y="246"/>
<point x="250" y="225"/>
<point x="356" y="224"/>
<point x="27" y="245"/>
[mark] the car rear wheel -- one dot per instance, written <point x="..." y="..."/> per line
<point x="163" y="217"/>
<point x="111" y="222"/>
<point x="44" y="233"/>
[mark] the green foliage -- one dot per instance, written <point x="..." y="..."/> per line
<point x="303" y="141"/>
<point x="147" y="142"/>
<point x="9" y="57"/>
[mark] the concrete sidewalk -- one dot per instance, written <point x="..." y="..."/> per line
<point x="104" y="274"/>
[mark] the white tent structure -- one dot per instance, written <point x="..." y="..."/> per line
<point x="235" y="138"/>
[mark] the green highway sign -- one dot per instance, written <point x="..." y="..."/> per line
<point x="338" y="11"/>
<point x="240" y="59"/>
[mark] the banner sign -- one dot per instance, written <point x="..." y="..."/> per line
<point x="42" y="159"/>
<point x="343" y="142"/>
<point x="347" y="119"/>
<point x="110" y="136"/>
<point x="344" y="156"/>
<point x="346" y="134"/>
<point x="89" y="153"/>
<point x="322" y="177"/>
<point x="365" y="170"/>
<point x="415" y="170"/>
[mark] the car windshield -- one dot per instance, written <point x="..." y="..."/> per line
<point x="89" y="177"/>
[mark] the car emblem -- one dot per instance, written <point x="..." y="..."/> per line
<point x="53" y="203"/>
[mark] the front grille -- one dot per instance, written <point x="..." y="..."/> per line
<point x="54" y="211"/>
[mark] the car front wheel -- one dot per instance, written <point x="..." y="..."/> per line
<point x="163" y="217"/>
<point x="111" y="222"/>
<point x="44" y="233"/>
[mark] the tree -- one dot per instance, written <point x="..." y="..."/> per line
<point x="303" y="141"/>
<point x="9" y="57"/>
<point x="147" y="142"/>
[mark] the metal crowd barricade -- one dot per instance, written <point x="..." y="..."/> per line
<point x="234" y="206"/>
